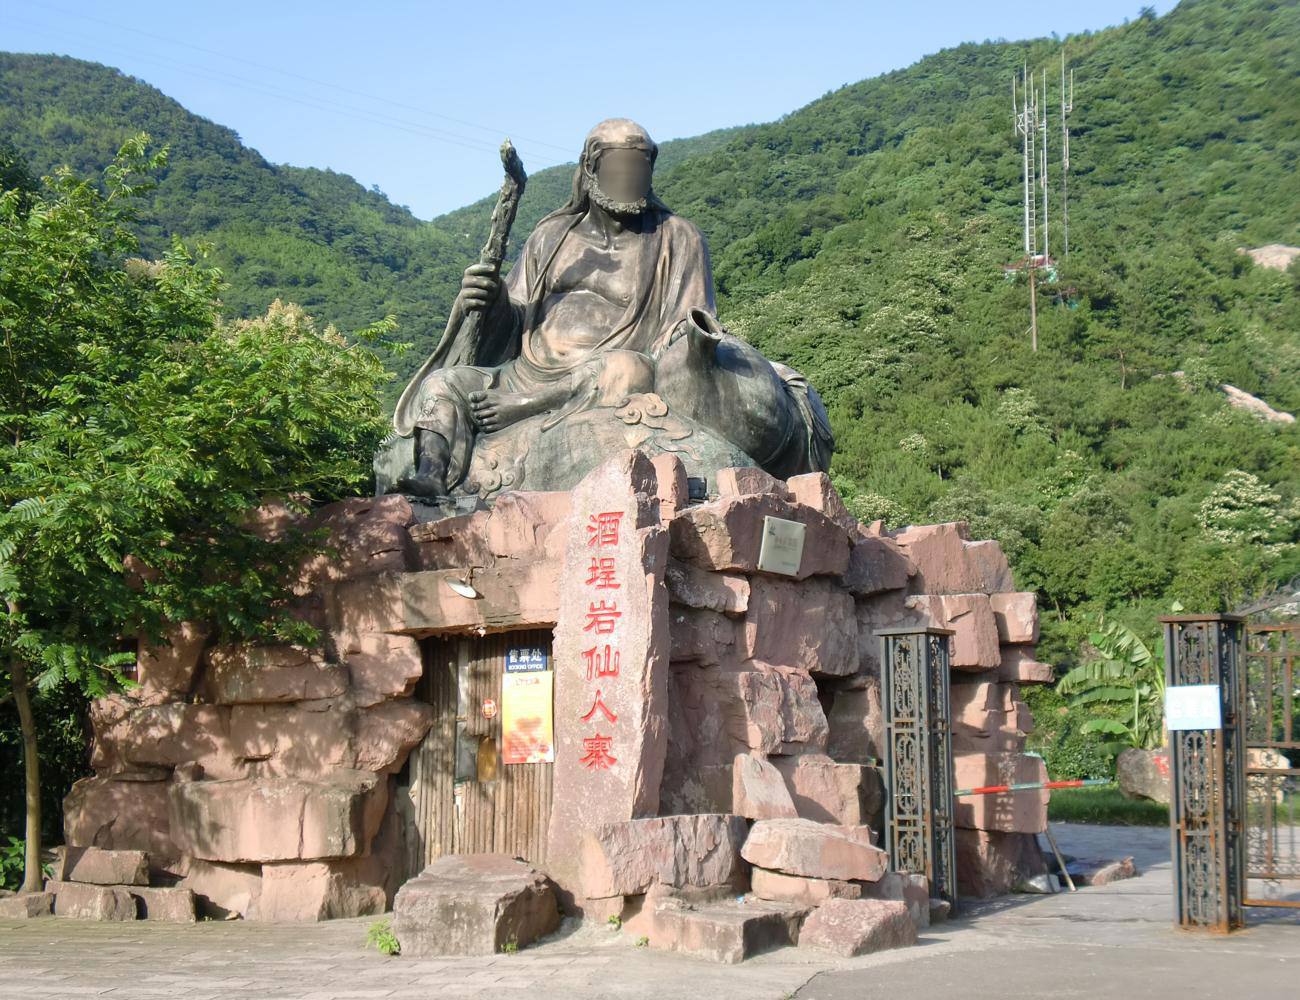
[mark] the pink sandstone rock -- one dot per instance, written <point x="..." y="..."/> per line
<point x="816" y="850"/>
<point x="725" y="534"/>
<point x="947" y="562"/>
<point x="674" y="490"/>
<point x="611" y="653"/>
<point x="521" y="525"/>
<point x="91" y="902"/>
<point x="975" y="646"/>
<point x="774" y="709"/>
<point x="1017" y="664"/>
<point x="292" y="740"/>
<point x="1106" y="872"/>
<point x="875" y="564"/>
<point x="100" y="866"/>
<point x="510" y="595"/>
<point x="800" y="890"/>
<point x="909" y="889"/>
<point x="473" y="904"/>
<point x="810" y="625"/>
<point x="172" y="734"/>
<point x="27" y="906"/>
<point x="358" y="607"/>
<point x="305" y="892"/>
<point x="386" y="734"/>
<point x="1016" y="616"/>
<point x="814" y="489"/>
<point x="365" y="536"/>
<point x="758" y="790"/>
<point x="829" y="792"/>
<point x="382" y="666"/>
<point x="989" y="717"/>
<point x="689" y="787"/>
<point x="119" y="815"/>
<point x="242" y="674"/>
<point x="849" y="927"/>
<point x="453" y="542"/>
<point x="697" y="588"/>
<point x="278" y="819"/>
<point x="1006" y="812"/>
<point x="630" y="857"/>
<point x="166" y="671"/>
<point x="164" y="904"/>
<point x="699" y="636"/>
<point x="1144" y="774"/>
<point x="719" y="711"/>
<point x="857" y="724"/>
<point x="990" y="862"/>
<point x="223" y="890"/>
<point x="726" y="932"/>
<point x="749" y="481"/>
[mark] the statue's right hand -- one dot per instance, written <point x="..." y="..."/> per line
<point x="479" y="288"/>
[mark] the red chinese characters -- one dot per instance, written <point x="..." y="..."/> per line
<point x="596" y="752"/>
<point x="602" y="619"/>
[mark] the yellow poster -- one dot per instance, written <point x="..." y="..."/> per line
<point x="527" y="722"/>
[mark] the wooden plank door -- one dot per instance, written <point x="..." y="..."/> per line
<point x="463" y="799"/>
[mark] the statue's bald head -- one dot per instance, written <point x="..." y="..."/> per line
<point x="619" y="133"/>
<point x="618" y="160"/>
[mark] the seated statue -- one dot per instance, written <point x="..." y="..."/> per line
<point x="603" y="335"/>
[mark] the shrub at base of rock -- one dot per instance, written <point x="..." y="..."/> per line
<point x="474" y="904"/>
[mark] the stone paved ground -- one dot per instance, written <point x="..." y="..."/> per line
<point x="1113" y="941"/>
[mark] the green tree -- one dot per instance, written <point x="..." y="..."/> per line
<point x="137" y="434"/>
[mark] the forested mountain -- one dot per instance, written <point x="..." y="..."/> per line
<point x="863" y="239"/>
<point x="315" y="237"/>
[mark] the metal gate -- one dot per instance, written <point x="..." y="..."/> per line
<point x="462" y="799"/>
<point x="918" y="756"/>
<point x="1271" y="708"/>
<point x="1207" y="775"/>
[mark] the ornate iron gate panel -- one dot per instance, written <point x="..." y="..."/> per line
<point x="918" y="756"/>
<point x="1207" y="775"/>
<point x="1271" y="712"/>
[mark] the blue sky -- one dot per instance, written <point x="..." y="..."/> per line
<point x="415" y="97"/>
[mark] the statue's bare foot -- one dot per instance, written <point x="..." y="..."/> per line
<point x="494" y="409"/>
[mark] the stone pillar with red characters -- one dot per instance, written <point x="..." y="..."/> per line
<point x="611" y="661"/>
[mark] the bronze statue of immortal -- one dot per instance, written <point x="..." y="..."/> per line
<point x="603" y="336"/>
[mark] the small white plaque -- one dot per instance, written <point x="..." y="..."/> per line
<point x="1193" y="706"/>
<point x="782" y="547"/>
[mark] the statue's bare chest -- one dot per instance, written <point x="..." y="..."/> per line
<point x="606" y="272"/>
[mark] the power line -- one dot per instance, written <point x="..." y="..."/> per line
<point x="307" y="79"/>
<point x="279" y="93"/>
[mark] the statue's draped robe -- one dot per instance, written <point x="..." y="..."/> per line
<point x="518" y="352"/>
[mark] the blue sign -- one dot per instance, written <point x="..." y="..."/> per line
<point x="526" y="659"/>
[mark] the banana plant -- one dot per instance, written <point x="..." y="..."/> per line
<point x="1128" y="680"/>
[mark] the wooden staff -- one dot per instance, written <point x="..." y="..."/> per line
<point x="493" y="253"/>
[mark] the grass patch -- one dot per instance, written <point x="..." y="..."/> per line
<point x="1104" y="804"/>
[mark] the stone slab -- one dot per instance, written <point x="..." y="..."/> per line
<point x="473" y="904"/>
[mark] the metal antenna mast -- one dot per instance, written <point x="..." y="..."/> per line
<point x="1067" y="106"/>
<point x="1027" y="123"/>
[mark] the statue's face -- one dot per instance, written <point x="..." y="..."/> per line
<point x="624" y="174"/>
